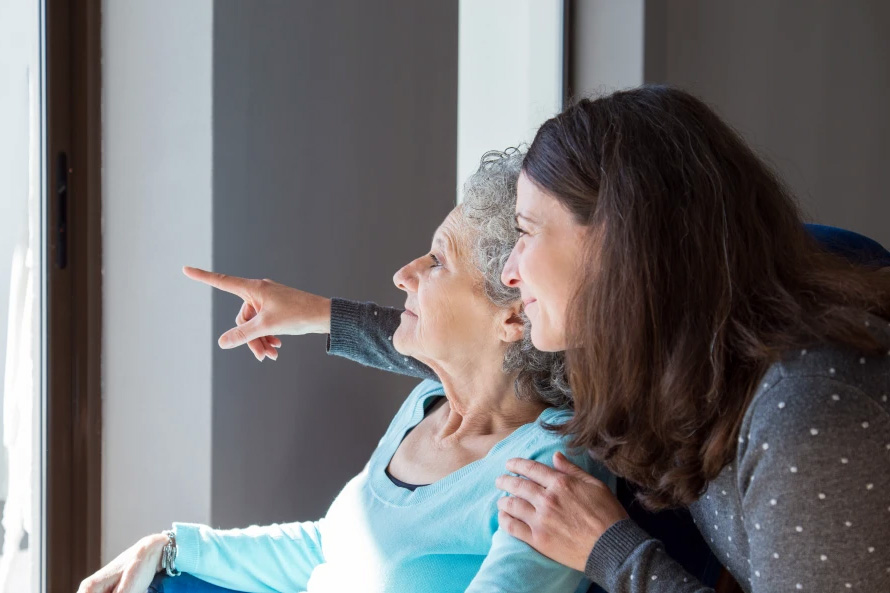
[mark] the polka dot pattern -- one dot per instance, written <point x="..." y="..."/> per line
<point x="791" y="514"/>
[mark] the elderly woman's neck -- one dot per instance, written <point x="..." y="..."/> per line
<point x="483" y="403"/>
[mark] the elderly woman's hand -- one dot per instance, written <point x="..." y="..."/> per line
<point x="269" y="308"/>
<point x="132" y="571"/>
<point x="560" y="512"/>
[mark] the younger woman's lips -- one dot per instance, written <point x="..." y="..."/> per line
<point x="411" y="313"/>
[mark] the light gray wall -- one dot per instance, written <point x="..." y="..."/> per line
<point x="807" y="82"/>
<point x="607" y="45"/>
<point x="334" y="161"/>
<point x="156" y="324"/>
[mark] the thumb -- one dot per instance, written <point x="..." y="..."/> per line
<point x="238" y="336"/>
<point x="561" y="463"/>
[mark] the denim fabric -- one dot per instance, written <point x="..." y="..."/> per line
<point x="184" y="583"/>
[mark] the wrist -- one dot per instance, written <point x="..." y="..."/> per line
<point x="323" y="322"/>
<point x="155" y="545"/>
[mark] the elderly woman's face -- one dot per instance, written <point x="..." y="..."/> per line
<point x="447" y="316"/>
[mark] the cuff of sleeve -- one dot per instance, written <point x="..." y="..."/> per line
<point x="346" y="316"/>
<point x="612" y="549"/>
<point x="188" y="546"/>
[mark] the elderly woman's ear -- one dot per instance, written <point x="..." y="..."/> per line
<point x="510" y="324"/>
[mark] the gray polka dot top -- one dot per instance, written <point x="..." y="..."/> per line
<point x="805" y="506"/>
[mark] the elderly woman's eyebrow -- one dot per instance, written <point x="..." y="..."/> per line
<point x="444" y="241"/>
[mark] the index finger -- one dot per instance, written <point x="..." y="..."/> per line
<point x="537" y="472"/>
<point x="231" y="284"/>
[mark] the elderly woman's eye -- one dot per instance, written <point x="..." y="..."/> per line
<point x="435" y="261"/>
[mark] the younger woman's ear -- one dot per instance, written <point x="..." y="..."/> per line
<point x="512" y="327"/>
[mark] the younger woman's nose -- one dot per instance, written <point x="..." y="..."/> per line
<point x="510" y="274"/>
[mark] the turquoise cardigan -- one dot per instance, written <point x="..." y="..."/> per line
<point x="378" y="537"/>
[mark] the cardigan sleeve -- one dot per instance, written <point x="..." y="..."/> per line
<point x="626" y="559"/>
<point x="267" y="559"/>
<point x="363" y="332"/>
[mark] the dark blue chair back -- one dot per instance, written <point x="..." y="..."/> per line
<point x="857" y="248"/>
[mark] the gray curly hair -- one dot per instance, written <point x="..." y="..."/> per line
<point x="488" y="206"/>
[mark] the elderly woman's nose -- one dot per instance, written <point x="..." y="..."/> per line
<point x="510" y="274"/>
<point x="406" y="278"/>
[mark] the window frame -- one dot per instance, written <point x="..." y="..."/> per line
<point x="73" y="293"/>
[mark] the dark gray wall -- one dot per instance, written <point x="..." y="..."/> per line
<point x="807" y="82"/>
<point x="335" y="142"/>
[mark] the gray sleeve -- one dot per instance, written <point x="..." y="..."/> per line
<point x="814" y="481"/>
<point x="626" y="559"/>
<point x="362" y="332"/>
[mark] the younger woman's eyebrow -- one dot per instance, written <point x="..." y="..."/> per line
<point x="525" y="217"/>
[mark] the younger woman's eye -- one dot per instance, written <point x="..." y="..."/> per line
<point x="435" y="261"/>
<point x="520" y="231"/>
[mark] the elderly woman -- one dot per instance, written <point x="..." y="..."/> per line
<point x="423" y="514"/>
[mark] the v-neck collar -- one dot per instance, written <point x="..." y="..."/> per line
<point x="387" y="492"/>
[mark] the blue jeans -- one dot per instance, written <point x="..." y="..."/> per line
<point x="184" y="583"/>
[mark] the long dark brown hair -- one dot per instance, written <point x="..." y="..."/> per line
<point x="699" y="274"/>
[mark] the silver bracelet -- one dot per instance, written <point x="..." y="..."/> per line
<point x="169" y="555"/>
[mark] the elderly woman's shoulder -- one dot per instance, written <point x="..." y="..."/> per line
<point x="547" y="428"/>
<point x="546" y="440"/>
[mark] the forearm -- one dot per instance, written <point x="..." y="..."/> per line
<point x="277" y="557"/>
<point x="626" y="559"/>
<point x="363" y="332"/>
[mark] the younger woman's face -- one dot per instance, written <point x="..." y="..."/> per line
<point x="544" y="263"/>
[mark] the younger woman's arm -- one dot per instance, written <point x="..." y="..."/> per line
<point x="363" y="332"/>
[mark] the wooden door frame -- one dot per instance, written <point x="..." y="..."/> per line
<point x="73" y="264"/>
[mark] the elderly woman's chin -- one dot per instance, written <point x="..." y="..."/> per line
<point x="402" y="341"/>
<point x="406" y="342"/>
